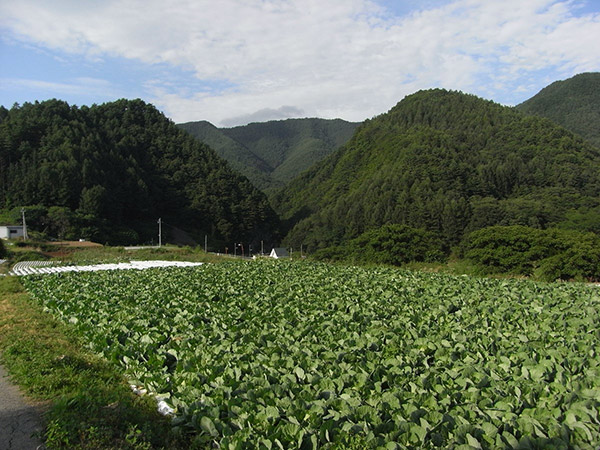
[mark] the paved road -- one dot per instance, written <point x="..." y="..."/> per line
<point x="19" y="420"/>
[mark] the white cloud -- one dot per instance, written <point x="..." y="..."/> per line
<point x="329" y="58"/>
<point x="264" y="115"/>
<point x="76" y="86"/>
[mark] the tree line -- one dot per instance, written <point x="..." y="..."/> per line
<point x="450" y="164"/>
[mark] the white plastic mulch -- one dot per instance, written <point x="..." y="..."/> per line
<point x="42" y="267"/>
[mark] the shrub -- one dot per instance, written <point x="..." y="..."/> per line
<point x="2" y="249"/>
<point x="502" y="249"/>
<point x="30" y="255"/>
<point x="548" y="254"/>
<point x="579" y="262"/>
<point x="390" y="244"/>
<point x="334" y="253"/>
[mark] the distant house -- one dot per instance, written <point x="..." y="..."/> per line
<point x="11" y="231"/>
<point x="279" y="252"/>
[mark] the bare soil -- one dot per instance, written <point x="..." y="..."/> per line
<point x="75" y="244"/>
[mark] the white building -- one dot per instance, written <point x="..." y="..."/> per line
<point x="279" y="252"/>
<point x="11" y="231"/>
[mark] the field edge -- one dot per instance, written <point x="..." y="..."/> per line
<point x="84" y="401"/>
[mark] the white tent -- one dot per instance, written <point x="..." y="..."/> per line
<point x="279" y="252"/>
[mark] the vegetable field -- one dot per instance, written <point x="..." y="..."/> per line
<point x="288" y="355"/>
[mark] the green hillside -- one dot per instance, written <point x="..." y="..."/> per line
<point x="572" y="103"/>
<point x="271" y="154"/>
<point x="450" y="163"/>
<point x="108" y="172"/>
<point x="236" y="154"/>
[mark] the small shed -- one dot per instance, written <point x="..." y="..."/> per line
<point x="11" y="231"/>
<point x="279" y="252"/>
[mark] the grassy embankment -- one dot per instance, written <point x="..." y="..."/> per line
<point x="76" y="253"/>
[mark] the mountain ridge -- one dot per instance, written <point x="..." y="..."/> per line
<point x="113" y="169"/>
<point x="271" y="153"/>
<point x="573" y="103"/>
<point x="448" y="162"/>
<point x="442" y="160"/>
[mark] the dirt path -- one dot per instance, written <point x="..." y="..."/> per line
<point x="19" y="419"/>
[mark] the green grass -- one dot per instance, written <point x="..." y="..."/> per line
<point x="119" y="254"/>
<point x="455" y="266"/>
<point x="35" y="251"/>
<point x="88" y="404"/>
<point x="16" y="251"/>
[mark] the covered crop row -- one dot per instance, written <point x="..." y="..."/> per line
<point x="312" y="355"/>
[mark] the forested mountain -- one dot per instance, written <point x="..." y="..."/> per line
<point x="450" y="163"/>
<point x="572" y="103"/>
<point x="108" y="172"/>
<point x="237" y="155"/>
<point x="272" y="153"/>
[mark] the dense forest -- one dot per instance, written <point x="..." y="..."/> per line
<point x="271" y="154"/>
<point x="572" y="103"/>
<point x="108" y="172"/>
<point x="449" y="163"/>
<point x="441" y="172"/>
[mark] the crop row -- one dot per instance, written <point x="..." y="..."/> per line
<point x="312" y="355"/>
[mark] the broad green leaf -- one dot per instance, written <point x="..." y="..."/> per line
<point x="473" y="442"/>
<point x="208" y="426"/>
<point x="333" y="348"/>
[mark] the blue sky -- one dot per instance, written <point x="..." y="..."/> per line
<point x="235" y="61"/>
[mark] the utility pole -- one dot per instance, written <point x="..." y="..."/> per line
<point x="205" y="243"/>
<point x="262" y="248"/>
<point x="159" y="232"/>
<point x="25" y="236"/>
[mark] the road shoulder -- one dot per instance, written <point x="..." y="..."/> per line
<point x="20" y="420"/>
